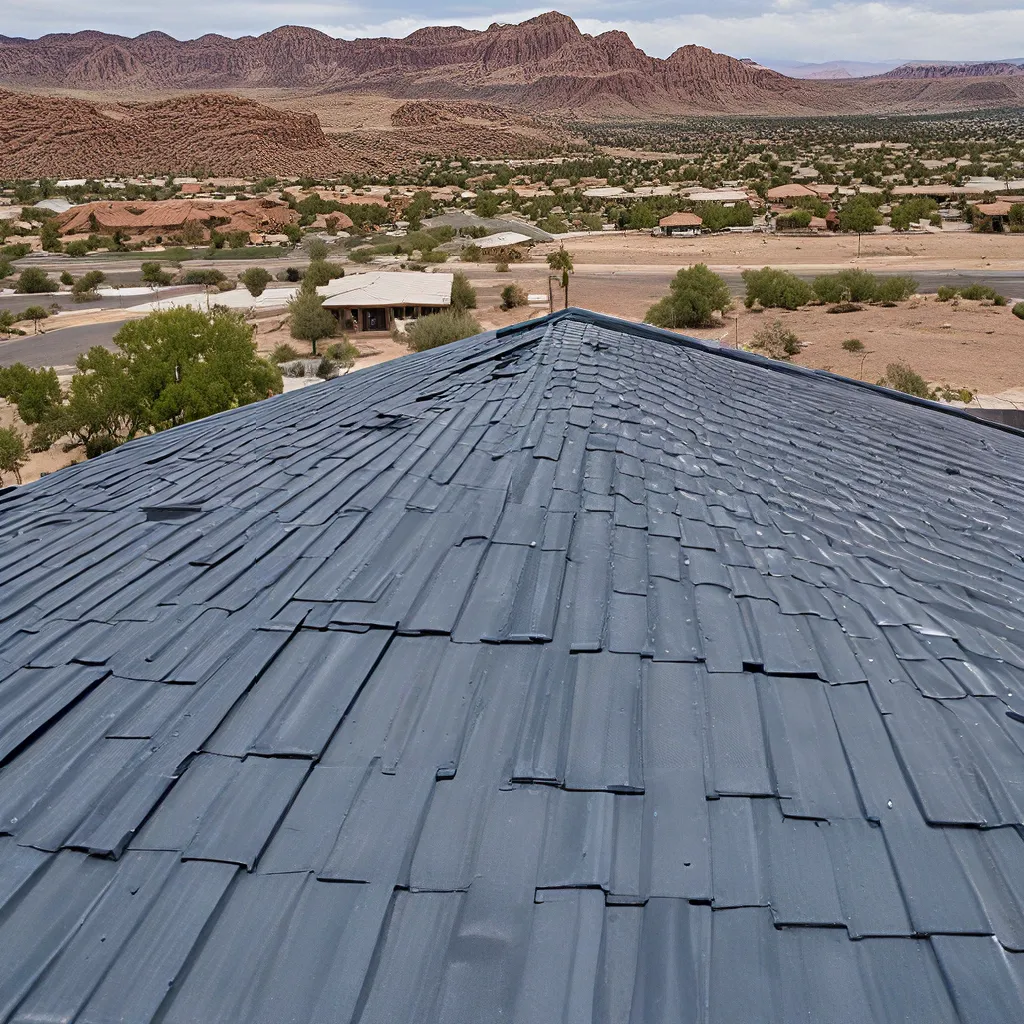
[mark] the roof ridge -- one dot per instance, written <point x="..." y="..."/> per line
<point x="740" y="355"/>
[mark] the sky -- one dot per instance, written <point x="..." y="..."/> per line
<point x="799" y="30"/>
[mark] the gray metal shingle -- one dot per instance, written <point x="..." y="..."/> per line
<point x="576" y="672"/>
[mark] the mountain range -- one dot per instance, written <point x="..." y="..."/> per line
<point x="544" y="64"/>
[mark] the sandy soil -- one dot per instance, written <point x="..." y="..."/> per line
<point x="39" y="463"/>
<point x="953" y="250"/>
<point x="980" y="347"/>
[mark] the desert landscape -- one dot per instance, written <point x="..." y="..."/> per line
<point x="135" y="167"/>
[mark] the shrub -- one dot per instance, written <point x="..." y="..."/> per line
<point x="363" y="255"/>
<point x="846" y="307"/>
<point x="326" y="368"/>
<point x="463" y="293"/>
<point x="775" y="341"/>
<point x="973" y="292"/>
<point x="776" y="289"/>
<point x="255" y="279"/>
<point x="66" y="278"/>
<point x="284" y="353"/>
<point x="1018" y="311"/>
<point x="853" y="345"/>
<point x="900" y="377"/>
<point x="512" y="296"/>
<point x="152" y="273"/>
<point x="207" y="278"/>
<point x="34" y="281"/>
<point x="320" y="272"/>
<point x="471" y="254"/>
<point x="695" y="296"/>
<point x="847" y="285"/>
<point x="895" y="289"/>
<point x="440" y="329"/>
<point x="79" y="247"/>
<point x="317" y="249"/>
<point x="343" y="353"/>
<point x="435" y="256"/>
<point x="501" y="267"/>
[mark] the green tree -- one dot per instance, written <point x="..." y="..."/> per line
<point x="12" y="453"/>
<point x="85" y="287"/>
<point x="34" y="281"/>
<point x="35" y="393"/>
<point x="169" y="368"/>
<point x="643" y="217"/>
<point x="776" y="289"/>
<point x="49" y="236"/>
<point x="7" y="321"/>
<point x="308" y="320"/>
<point x="255" y="279"/>
<point x="441" y="329"/>
<point x="912" y="210"/>
<point x="463" y="293"/>
<point x="859" y="215"/>
<point x="35" y="314"/>
<point x="6" y="269"/>
<point x="1016" y="218"/>
<point x="487" y="204"/>
<point x="695" y="296"/>
<point x="153" y="274"/>
<point x="561" y="260"/>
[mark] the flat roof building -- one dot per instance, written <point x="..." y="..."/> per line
<point x="375" y="300"/>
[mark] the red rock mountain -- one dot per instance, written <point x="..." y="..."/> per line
<point x="544" y="64"/>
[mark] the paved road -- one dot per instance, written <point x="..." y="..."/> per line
<point x="59" y="349"/>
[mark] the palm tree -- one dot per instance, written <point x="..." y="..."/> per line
<point x="562" y="260"/>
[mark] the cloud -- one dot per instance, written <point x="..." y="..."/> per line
<point x="810" y="30"/>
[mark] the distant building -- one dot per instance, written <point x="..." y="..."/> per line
<point x="157" y="220"/>
<point x="374" y="301"/>
<point x="687" y="224"/>
<point x="789" y="194"/>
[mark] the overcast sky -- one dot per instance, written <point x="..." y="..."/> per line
<point x="808" y="30"/>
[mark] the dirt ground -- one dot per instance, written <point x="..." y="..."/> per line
<point x="951" y="250"/>
<point x="39" y="463"/>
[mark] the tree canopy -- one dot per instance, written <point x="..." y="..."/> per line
<point x="463" y="293"/>
<point x="169" y="368"/>
<point x="860" y="215"/>
<point x="308" y="320"/>
<point x="695" y="295"/>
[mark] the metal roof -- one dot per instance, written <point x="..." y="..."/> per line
<point x="389" y="289"/>
<point x="574" y="672"/>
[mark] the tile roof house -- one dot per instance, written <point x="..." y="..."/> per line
<point x="574" y="672"/>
